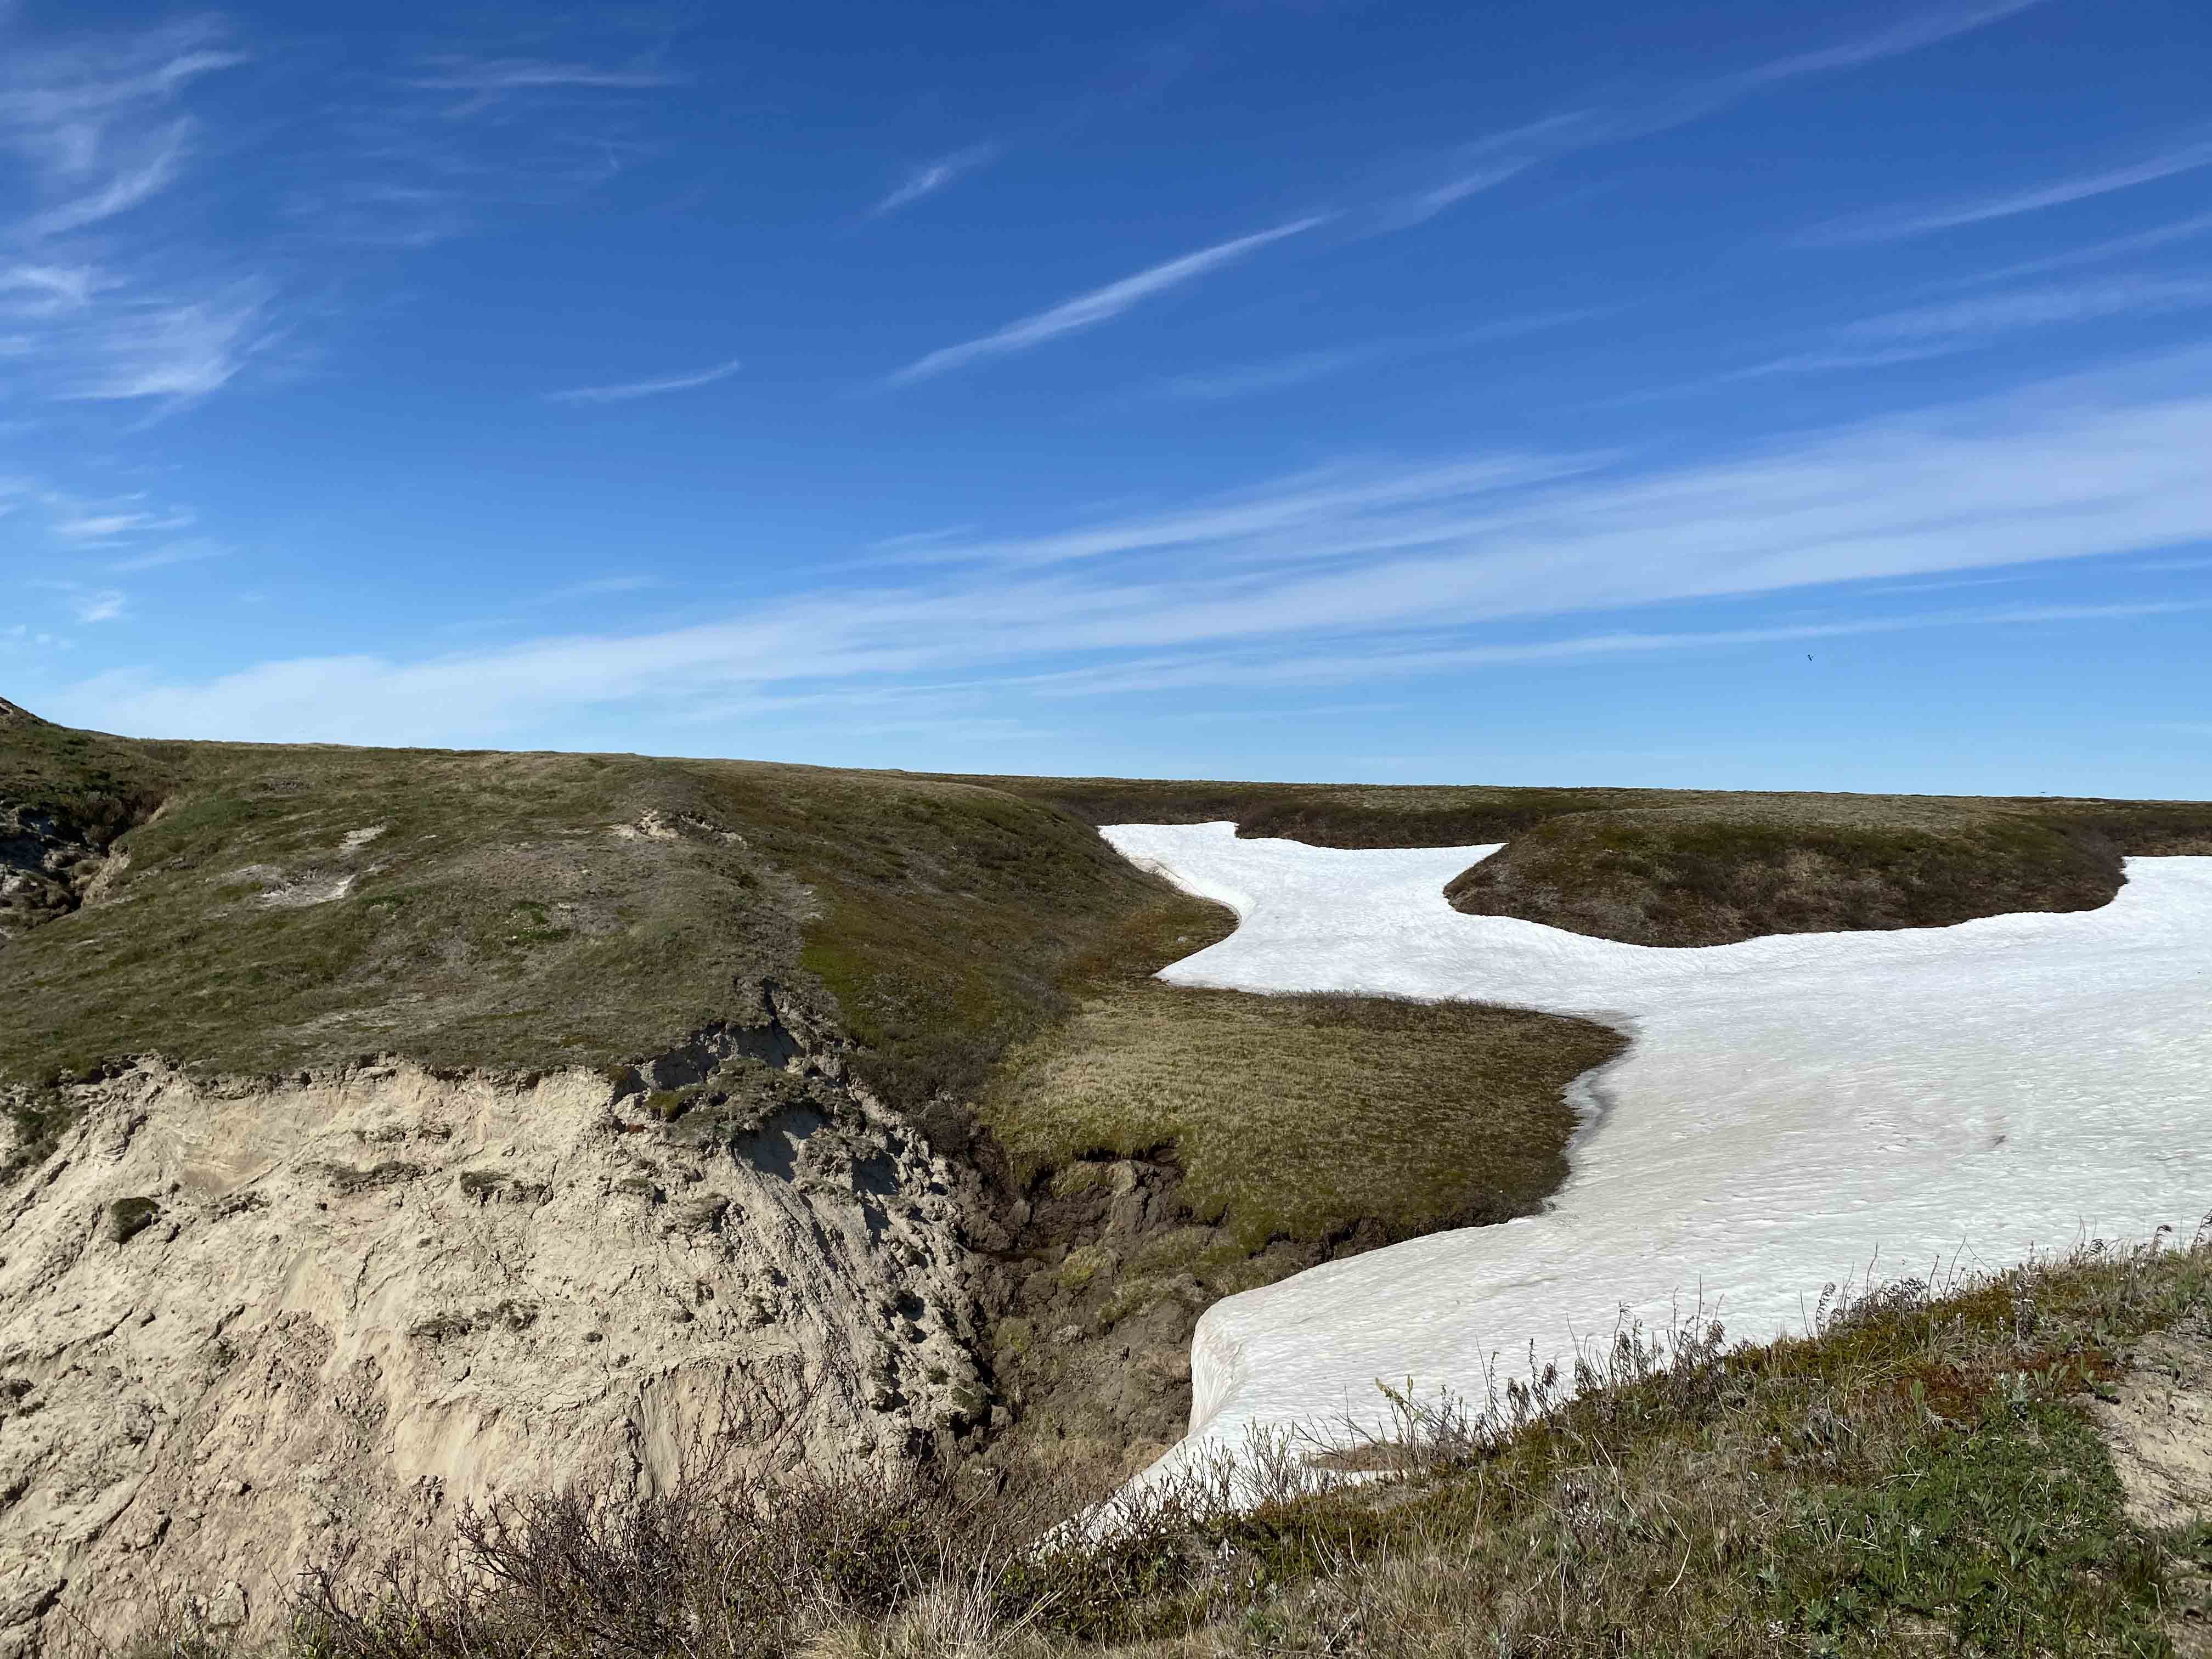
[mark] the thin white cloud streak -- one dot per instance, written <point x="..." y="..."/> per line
<point x="1301" y="368"/>
<point x="130" y="185"/>
<point x="1320" y="512"/>
<point x="104" y="606"/>
<point x="2097" y="252"/>
<point x="2104" y="466"/>
<point x="1182" y="673"/>
<point x="488" y="80"/>
<point x="1932" y="29"/>
<point x="175" y="350"/>
<point x="113" y="311"/>
<point x="1294" y="368"/>
<point x="111" y="527"/>
<point x="1100" y="305"/>
<point x="934" y="176"/>
<point x="1488" y="163"/>
<point x="633" y="389"/>
<point x="523" y="74"/>
<point x="95" y="119"/>
<point x="161" y="558"/>
<point x="2040" y="308"/>
<point x="598" y="587"/>
<point x="1480" y="166"/>
<point x="1921" y="221"/>
<point x="415" y="164"/>
<point x="1928" y="331"/>
<point x="29" y="291"/>
<point x="1826" y="361"/>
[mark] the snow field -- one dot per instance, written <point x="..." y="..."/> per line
<point x="1793" y="1110"/>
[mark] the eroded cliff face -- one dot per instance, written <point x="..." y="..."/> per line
<point x="243" y="1326"/>
<point x="50" y="864"/>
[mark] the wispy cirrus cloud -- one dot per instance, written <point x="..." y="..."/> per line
<point x="1484" y="163"/>
<point x="629" y="389"/>
<point x="2039" y="308"/>
<point x="2115" y="247"/>
<point x="1327" y="667"/>
<point x="1331" y="514"/>
<point x="86" y="604"/>
<point x="934" y="176"/>
<point x="35" y="292"/>
<point x="133" y="183"/>
<point x="598" y="587"/>
<point x="419" y="157"/>
<point x="98" y="119"/>
<point x="1300" y="367"/>
<point x="107" y="305"/>
<point x="194" y="550"/>
<point x="487" y="80"/>
<point x="1898" y="225"/>
<point x="97" y="605"/>
<point x="1418" y="569"/>
<point x="158" y="346"/>
<point x="1099" y="304"/>
<point x="83" y="526"/>
<point x="1916" y="333"/>
<point x="1931" y="27"/>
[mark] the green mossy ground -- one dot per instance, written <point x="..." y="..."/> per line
<point x="1688" y="876"/>
<point x="1297" y="1117"/>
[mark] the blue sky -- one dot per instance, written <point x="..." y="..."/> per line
<point x="1720" y="393"/>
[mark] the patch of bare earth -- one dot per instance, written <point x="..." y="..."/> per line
<point x="2156" y="1421"/>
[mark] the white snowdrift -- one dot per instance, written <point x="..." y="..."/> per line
<point x="1792" y="1111"/>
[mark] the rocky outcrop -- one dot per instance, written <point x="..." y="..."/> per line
<point x="48" y="864"/>
<point x="243" y="1326"/>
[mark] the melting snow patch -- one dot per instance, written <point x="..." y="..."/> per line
<point x="357" y="838"/>
<point x="1794" y="1111"/>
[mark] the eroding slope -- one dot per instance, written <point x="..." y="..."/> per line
<point x="244" y="1329"/>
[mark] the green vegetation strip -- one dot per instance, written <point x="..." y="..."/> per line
<point x="1298" y="1117"/>
<point x="1921" y="1477"/>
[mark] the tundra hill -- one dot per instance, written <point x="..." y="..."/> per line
<point x="393" y="1082"/>
<point x="264" y="909"/>
<point x="1693" y="868"/>
<point x="627" y="1032"/>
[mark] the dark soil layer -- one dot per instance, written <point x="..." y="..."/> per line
<point x="1689" y="876"/>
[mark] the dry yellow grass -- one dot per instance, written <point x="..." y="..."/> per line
<point x="1298" y="1117"/>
